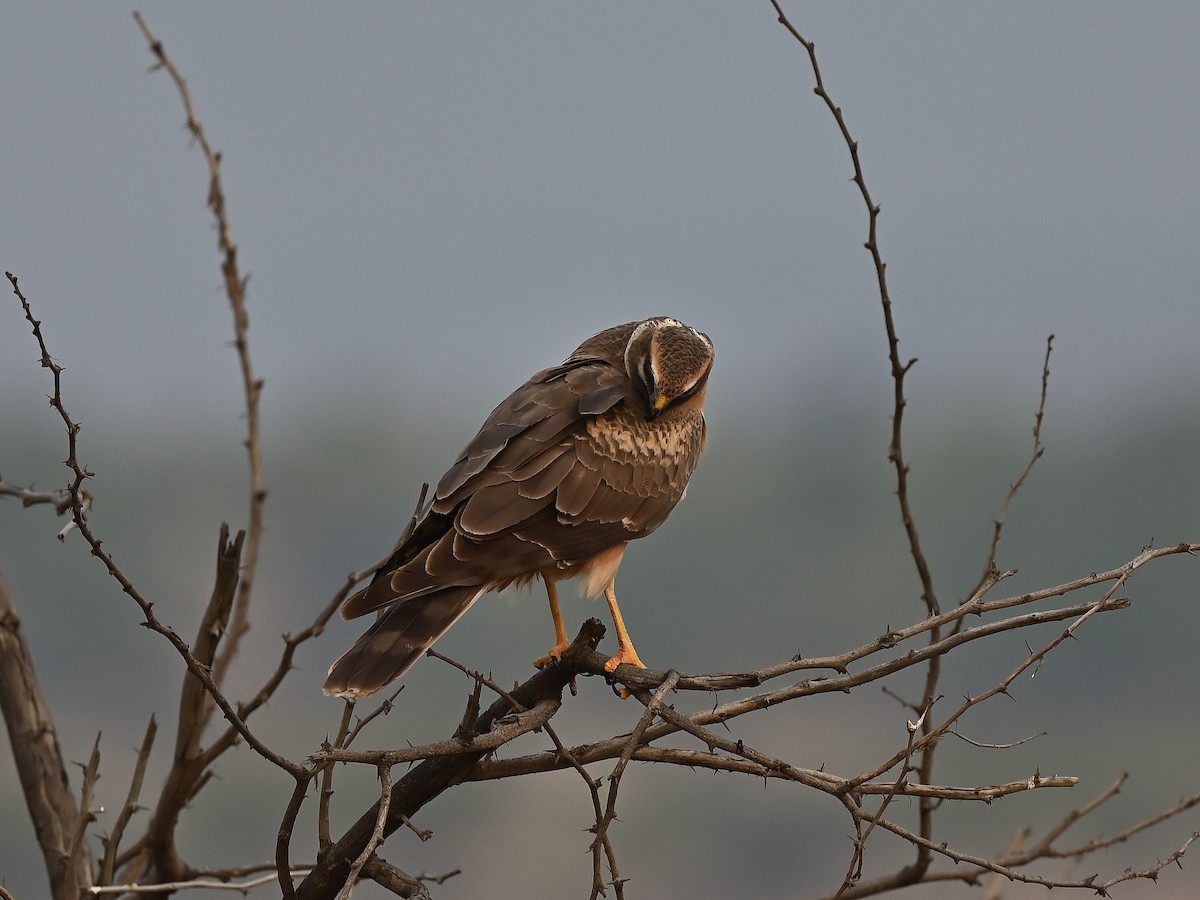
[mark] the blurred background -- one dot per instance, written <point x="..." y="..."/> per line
<point x="434" y="200"/>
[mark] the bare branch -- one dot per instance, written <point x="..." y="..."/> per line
<point x="339" y="740"/>
<point x="235" y="290"/>
<point x="602" y="848"/>
<point x="382" y="709"/>
<point x="283" y="841"/>
<point x="207" y="884"/>
<point x="899" y="368"/>
<point x="75" y="490"/>
<point x="91" y="774"/>
<point x="982" y="864"/>
<point x="853" y="804"/>
<point x="60" y="499"/>
<point x="385" y="800"/>
<point x="1000" y="746"/>
<point x="653" y="704"/>
<point x="151" y="621"/>
<point x="400" y="883"/>
<point x="190" y="762"/>
<point x="716" y="762"/>
<point x="39" y="760"/>
<point x="427" y="780"/>
<point x="608" y="749"/>
<point x="989" y="567"/>
<point x="112" y="843"/>
<point x="1092" y="846"/>
<point x="1043" y="847"/>
<point x="518" y="724"/>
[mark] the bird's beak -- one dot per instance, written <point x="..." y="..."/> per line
<point x="657" y="404"/>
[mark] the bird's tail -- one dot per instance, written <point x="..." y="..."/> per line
<point x="398" y="640"/>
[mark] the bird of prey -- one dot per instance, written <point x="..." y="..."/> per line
<point x="577" y="462"/>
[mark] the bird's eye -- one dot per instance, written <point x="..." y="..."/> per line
<point x="648" y="375"/>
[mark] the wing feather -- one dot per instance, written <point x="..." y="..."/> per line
<point x="534" y="415"/>
<point x="576" y="489"/>
<point x="572" y="545"/>
<point x="495" y="509"/>
<point x="542" y="475"/>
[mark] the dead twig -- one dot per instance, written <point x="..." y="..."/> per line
<point x="206" y="884"/>
<point x="235" y="290"/>
<point x="112" y="843"/>
<point x="385" y="800"/>
<point x="989" y="567"/>
<point x="39" y="761"/>
<point x="653" y="704"/>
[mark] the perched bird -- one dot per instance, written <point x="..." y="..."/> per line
<point x="577" y="462"/>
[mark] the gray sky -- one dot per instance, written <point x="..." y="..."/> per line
<point x="427" y="196"/>
<point x="434" y="200"/>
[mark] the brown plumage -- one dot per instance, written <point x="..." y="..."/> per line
<point x="578" y="461"/>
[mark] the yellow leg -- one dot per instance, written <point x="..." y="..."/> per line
<point x="561" y="642"/>
<point x="625" y="651"/>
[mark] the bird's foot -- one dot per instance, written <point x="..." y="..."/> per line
<point x="627" y="656"/>
<point x="553" y="656"/>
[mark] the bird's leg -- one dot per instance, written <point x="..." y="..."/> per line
<point x="625" y="651"/>
<point x="561" y="641"/>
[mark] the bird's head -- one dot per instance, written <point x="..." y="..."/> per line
<point x="669" y="360"/>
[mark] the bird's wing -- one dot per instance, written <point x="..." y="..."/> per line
<point x="535" y="489"/>
<point x="518" y="433"/>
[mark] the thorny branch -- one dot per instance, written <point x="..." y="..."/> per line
<point x="600" y="830"/>
<point x="900" y="370"/>
<point x="151" y="621"/>
<point x="235" y="290"/>
<point x="540" y="695"/>
<point x="60" y="499"/>
<point x="990" y="570"/>
<point x="385" y="800"/>
<point x="158" y="842"/>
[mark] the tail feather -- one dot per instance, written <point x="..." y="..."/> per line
<point x="397" y="640"/>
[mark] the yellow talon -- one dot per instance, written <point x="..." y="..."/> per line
<point x="627" y="656"/>
<point x="553" y="655"/>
